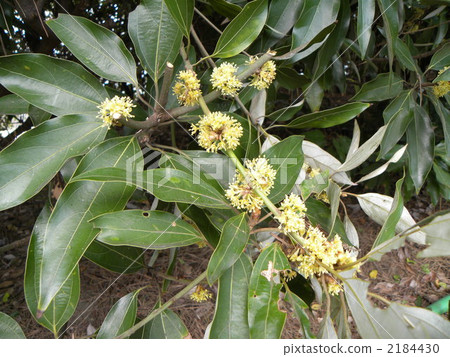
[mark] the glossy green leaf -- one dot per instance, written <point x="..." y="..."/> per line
<point x="318" y="213"/>
<point x="315" y="17"/>
<point x="366" y="14"/>
<point x="381" y="88"/>
<point x="37" y="115"/>
<point x="444" y="115"/>
<point x="285" y="114"/>
<point x="405" y="322"/>
<point x="155" y="35"/>
<point x="98" y="48"/>
<point x="122" y="260"/>
<point x="264" y="316"/>
<point x="286" y="158"/>
<point x="231" y="315"/>
<point x="398" y="115"/>
<point x="289" y="78"/>
<point x="329" y="117"/>
<point x="65" y="302"/>
<point x="121" y="317"/>
<point x="9" y="328"/>
<point x="420" y="138"/>
<point x="334" y="196"/>
<point x="395" y="213"/>
<point x="233" y="240"/>
<point x="315" y="184"/>
<point x="404" y="55"/>
<point x="167" y="325"/>
<point x="242" y="30"/>
<point x="54" y="85"/>
<point x="441" y="58"/>
<point x="300" y="308"/>
<point x="145" y="229"/>
<point x="69" y="233"/>
<point x="283" y="14"/>
<point x="225" y="8"/>
<point x="31" y="161"/>
<point x="12" y="104"/>
<point x="389" y="12"/>
<point x="444" y="76"/>
<point x="438" y="237"/>
<point x="182" y="12"/>
<point x="169" y="185"/>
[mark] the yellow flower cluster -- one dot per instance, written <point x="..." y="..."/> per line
<point x="263" y="77"/>
<point x="289" y="274"/>
<point x="241" y="192"/>
<point x="224" y="79"/>
<point x="200" y="294"/>
<point x="292" y="217"/>
<point x="319" y="249"/>
<point x="111" y="110"/>
<point x="442" y="88"/>
<point x="187" y="88"/>
<point x="322" y="197"/>
<point x="334" y="288"/>
<point x="217" y="131"/>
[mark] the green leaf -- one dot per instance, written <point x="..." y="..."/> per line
<point x="334" y="196"/>
<point x="286" y="158"/>
<point x="31" y="161"/>
<point x="12" y="104"/>
<point x="231" y="315"/>
<point x="69" y="233"/>
<point x="329" y="117"/>
<point x="264" y="317"/>
<point x="315" y="184"/>
<point x="54" y="85"/>
<point x="300" y="308"/>
<point x="167" y="325"/>
<point x="65" y="302"/>
<point x="98" y="48"/>
<point x="441" y="58"/>
<point x="444" y="115"/>
<point x="155" y="35"/>
<point x="389" y="12"/>
<point x="243" y="30"/>
<point x="38" y="116"/>
<point x="404" y="55"/>
<point x="9" y="328"/>
<point x="438" y="237"/>
<point x="225" y="8"/>
<point x="381" y="88"/>
<point x="318" y="213"/>
<point x="444" y="76"/>
<point x="145" y="229"/>
<point x="398" y="115"/>
<point x="366" y="14"/>
<point x="315" y="17"/>
<point x="121" y="317"/>
<point x="285" y="114"/>
<point x="167" y="184"/>
<point x="122" y="260"/>
<point x="420" y="138"/>
<point x="394" y="215"/>
<point x="182" y="12"/>
<point x="232" y="242"/>
<point x="404" y="321"/>
<point x="283" y="14"/>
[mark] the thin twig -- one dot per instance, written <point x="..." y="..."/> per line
<point x="167" y="80"/>
<point x="14" y="245"/>
<point x="202" y="48"/>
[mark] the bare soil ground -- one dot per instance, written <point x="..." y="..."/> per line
<point x="401" y="277"/>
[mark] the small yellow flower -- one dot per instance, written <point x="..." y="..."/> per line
<point x="292" y="217"/>
<point x="322" y="197"/>
<point x="289" y="274"/>
<point x="187" y="88"/>
<point x="373" y="274"/>
<point x="217" y="131"/>
<point x="224" y="79"/>
<point x="200" y="294"/>
<point x="334" y="288"/>
<point x="263" y="77"/>
<point x="111" y="110"/>
<point x="314" y="172"/>
<point x="442" y="88"/>
<point x="259" y="175"/>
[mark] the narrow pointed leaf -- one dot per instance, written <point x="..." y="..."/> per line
<point x="395" y="158"/>
<point x="155" y="35"/>
<point x="98" y="48"/>
<point x="145" y="229"/>
<point x="65" y="302"/>
<point x="389" y="13"/>
<point x="404" y="55"/>
<point x="444" y="115"/>
<point x="242" y="30"/>
<point x="55" y="85"/>
<point x="9" y="328"/>
<point x="300" y="308"/>
<point x="441" y="58"/>
<point x="31" y="161"/>
<point x="121" y="317"/>
<point x="232" y="242"/>
<point x="69" y="233"/>
<point x="366" y="14"/>
<point x="381" y="88"/>
<point x="182" y="12"/>
<point x="264" y="316"/>
<point x="231" y="315"/>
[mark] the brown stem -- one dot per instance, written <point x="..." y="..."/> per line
<point x="167" y="80"/>
<point x="14" y="245"/>
<point x="202" y="48"/>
